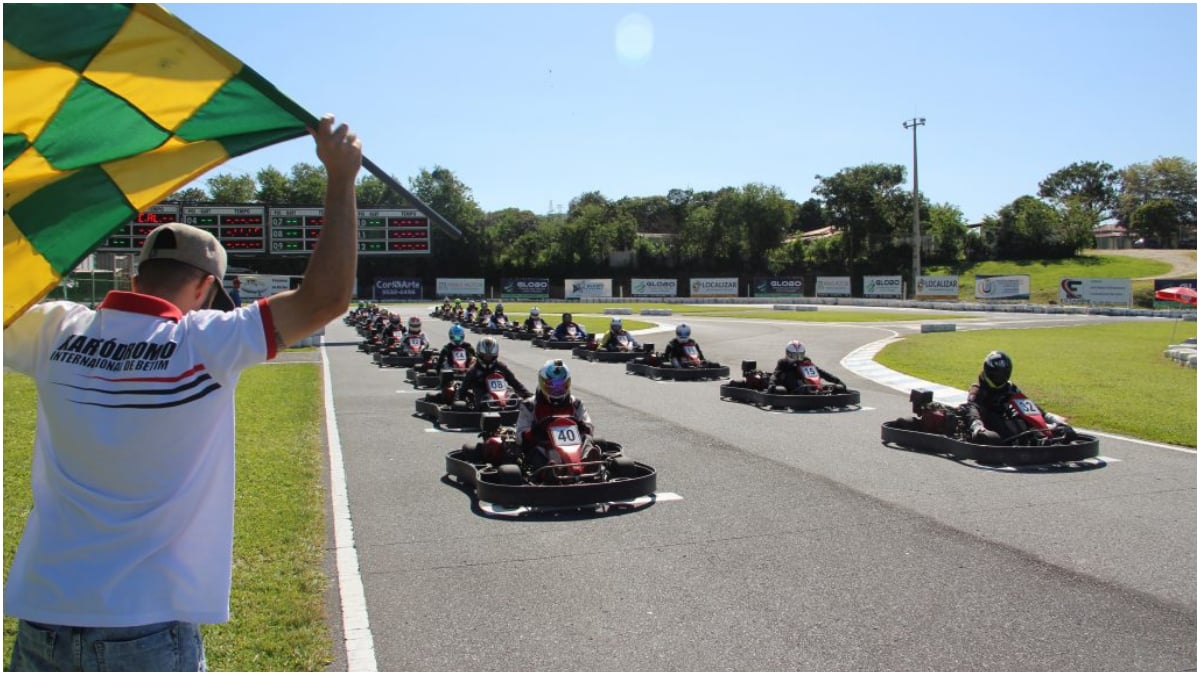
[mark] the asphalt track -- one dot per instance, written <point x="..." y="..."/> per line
<point x="784" y="541"/>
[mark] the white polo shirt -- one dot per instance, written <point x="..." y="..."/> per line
<point x="133" y="460"/>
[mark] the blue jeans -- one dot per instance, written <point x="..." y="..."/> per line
<point x="170" y="646"/>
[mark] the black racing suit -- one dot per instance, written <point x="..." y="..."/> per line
<point x="611" y="342"/>
<point x="789" y="374"/>
<point x="533" y="322"/>
<point x="674" y="351"/>
<point x="444" y="355"/>
<point x="990" y="406"/>
<point x="473" y="381"/>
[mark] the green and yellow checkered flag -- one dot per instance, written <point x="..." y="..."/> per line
<point x="108" y="109"/>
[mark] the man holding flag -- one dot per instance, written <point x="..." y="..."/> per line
<point x="129" y="545"/>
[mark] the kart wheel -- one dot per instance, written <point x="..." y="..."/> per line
<point x="622" y="467"/>
<point x="509" y="474"/>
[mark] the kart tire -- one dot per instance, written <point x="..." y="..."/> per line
<point x="622" y="467"/>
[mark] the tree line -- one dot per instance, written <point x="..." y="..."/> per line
<point x="756" y="228"/>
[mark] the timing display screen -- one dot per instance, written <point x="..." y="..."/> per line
<point x="240" y="229"/>
<point x="129" y="237"/>
<point x="380" y="231"/>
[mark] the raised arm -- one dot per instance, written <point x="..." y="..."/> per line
<point x="329" y="278"/>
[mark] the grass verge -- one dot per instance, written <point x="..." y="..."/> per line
<point x="1110" y="377"/>
<point x="1046" y="275"/>
<point x="278" y="620"/>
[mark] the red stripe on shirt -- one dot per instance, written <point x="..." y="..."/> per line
<point x="268" y="321"/>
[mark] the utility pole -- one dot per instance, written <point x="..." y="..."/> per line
<point x="916" y="233"/>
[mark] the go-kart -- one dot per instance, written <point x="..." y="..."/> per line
<point x="656" y="367"/>
<point x="573" y="338"/>
<point x="450" y="411"/>
<point x="565" y="469"/>
<point x="517" y="331"/>
<point x="755" y="388"/>
<point x="426" y="376"/>
<point x="409" y="350"/>
<point x="1026" y="439"/>
<point x="496" y="327"/>
<point x="623" y="352"/>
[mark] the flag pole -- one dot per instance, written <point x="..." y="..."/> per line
<point x="392" y="183"/>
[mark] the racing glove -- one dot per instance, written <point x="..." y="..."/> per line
<point x="981" y="434"/>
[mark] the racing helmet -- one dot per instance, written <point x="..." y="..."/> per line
<point x="499" y="307"/>
<point x="683" y="331"/>
<point x="795" y="350"/>
<point x="535" y="312"/>
<point x="488" y="350"/>
<point x="616" y="324"/>
<point x="483" y="304"/>
<point x="997" y="368"/>
<point x="457" y="334"/>
<point x="414" y="325"/>
<point x="554" y="381"/>
<point x="566" y="317"/>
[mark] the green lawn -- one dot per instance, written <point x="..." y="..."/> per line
<point x="278" y="620"/>
<point x="1111" y="377"/>
<point x="1045" y="275"/>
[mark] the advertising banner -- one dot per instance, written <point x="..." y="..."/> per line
<point x="258" y="286"/>
<point x="779" y="287"/>
<point x="1096" y="291"/>
<point x="525" y="289"/>
<point x="1160" y="284"/>
<point x="833" y="287"/>
<point x="460" y="287"/>
<point x="663" y="288"/>
<point x="1002" y="287"/>
<point x="937" y="288"/>
<point x="588" y="288"/>
<point x="396" y="289"/>
<point x="723" y="287"/>
<point x="891" y="286"/>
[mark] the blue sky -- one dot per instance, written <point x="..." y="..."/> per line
<point x="536" y="104"/>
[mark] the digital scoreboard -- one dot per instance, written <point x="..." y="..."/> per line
<point x="380" y="231"/>
<point x="252" y="229"/>
<point x="130" y="236"/>
<point x="240" y="229"/>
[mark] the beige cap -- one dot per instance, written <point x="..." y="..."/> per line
<point x="191" y="245"/>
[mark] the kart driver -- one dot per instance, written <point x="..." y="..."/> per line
<point x="487" y="362"/>
<point x="612" y="339"/>
<point x="458" y="338"/>
<point x="485" y="313"/>
<point x="789" y="371"/>
<point x="675" y="348"/>
<point x="534" y="320"/>
<point x="499" y="316"/>
<point x="987" y="401"/>
<point x="561" y="331"/>
<point x="553" y="399"/>
<point x="414" y="330"/>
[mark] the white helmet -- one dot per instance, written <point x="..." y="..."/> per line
<point x="795" y="351"/>
<point x="616" y="323"/>
<point x="488" y="349"/>
<point x="535" y="312"/>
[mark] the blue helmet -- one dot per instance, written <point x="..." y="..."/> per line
<point x="457" y="334"/>
<point x="554" y="381"/>
<point x="683" y="331"/>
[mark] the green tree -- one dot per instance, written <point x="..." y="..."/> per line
<point x="307" y="186"/>
<point x="1028" y="228"/>
<point x="1157" y="220"/>
<point x="443" y="192"/>
<point x="189" y="194"/>
<point x="371" y="191"/>
<point x="229" y="189"/>
<point x="946" y="235"/>
<point x="273" y="186"/>
<point x="868" y="205"/>
<point x="1091" y="186"/>
<point x="766" y="214"/>
<point x="809" y="216"/>
<point x="1171" y="179"/>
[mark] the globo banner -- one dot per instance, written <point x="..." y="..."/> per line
<point x="661" y="288"/>
<point x="778" y="287"/>
<point x="392" y="288"/>
<point x="525" y="288"/>
<point x="891" y="286"/>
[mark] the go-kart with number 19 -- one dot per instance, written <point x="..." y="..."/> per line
<point x="1026" y="439"/>
<point x="566" y="468"/>
<point x="812" y="393"/>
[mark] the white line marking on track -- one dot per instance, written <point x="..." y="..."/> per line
<point x="434" y="430"/>
<point x="356" y="627"/>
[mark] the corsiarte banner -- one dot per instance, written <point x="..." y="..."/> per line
<point x="937" y="288"/>
<point x="525" y="289"/>
<point x="891" y="286"/>
<point x="588" y="288"/>
<point x="778" y="287"/>
<point x="724" y="287"/>
<point x="1096" y="291"/>
<point x="665" y="288"/>
<point x="457" y="287"/>
<point x="833" y="287"/>
<point x="392" y="288"/>
<point x="1002" y="287"/>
